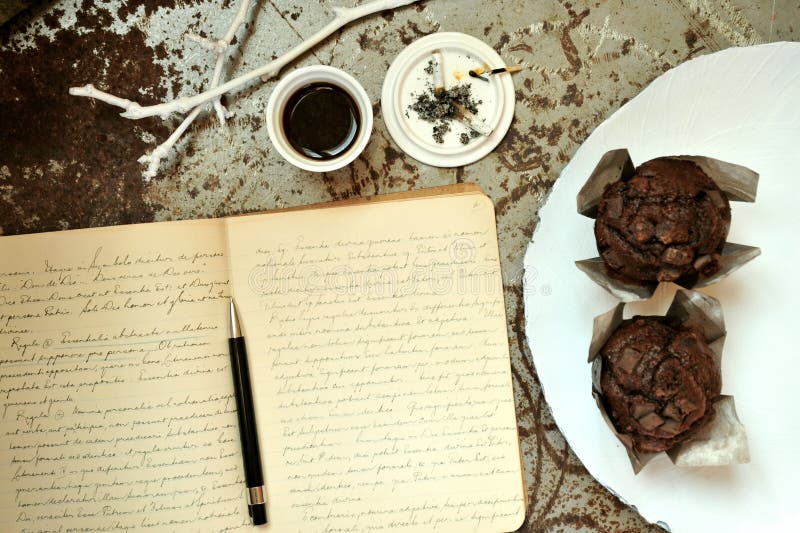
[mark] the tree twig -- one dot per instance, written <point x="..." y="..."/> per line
<point x="222" y="49"/>
<point x="344" y="15"/>
<point x="153" y="159"/>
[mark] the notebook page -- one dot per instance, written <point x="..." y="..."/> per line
<point x="116" y="407"/>
<point x="379" y="358"/>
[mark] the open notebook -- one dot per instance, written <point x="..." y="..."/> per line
<point x="379" y="359"/>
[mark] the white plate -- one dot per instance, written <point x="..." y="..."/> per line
<point x="406" y="78"/>
<point x="741" y="105"/>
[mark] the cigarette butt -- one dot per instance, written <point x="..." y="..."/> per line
<point x="466" y="117"/>
<point x="438" y="77"/>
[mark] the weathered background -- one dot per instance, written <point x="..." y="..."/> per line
<point x="70" y="163"/>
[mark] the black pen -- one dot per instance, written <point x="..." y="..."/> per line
<point x="251" y="456"/>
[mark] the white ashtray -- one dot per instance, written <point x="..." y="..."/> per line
<point x="406" y="78"/>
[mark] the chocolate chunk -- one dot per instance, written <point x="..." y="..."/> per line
<point x="630" y="358"/>
<point x="675" y="255"/>
<point x="641" y="408"/>
<point x="670" y="428"/>
<point x="614" y="207"/>
<point x="651" y="421"/>
<point x="672" y="412"/>
<point x="663" y="232"/>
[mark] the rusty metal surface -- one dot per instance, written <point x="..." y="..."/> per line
<point x="9" y="8"/>
<point x="68" y="163"/>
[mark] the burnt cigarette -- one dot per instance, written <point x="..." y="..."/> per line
<point x="438" y="76"/>
<point x="474" y="74"/>
<point x="505" y="69"/>
<point x="466" y="117"/>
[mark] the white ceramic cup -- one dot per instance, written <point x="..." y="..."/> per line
<point x="293" y="82"/>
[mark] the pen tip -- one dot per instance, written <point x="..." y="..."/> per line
<point x="235" y="328"/>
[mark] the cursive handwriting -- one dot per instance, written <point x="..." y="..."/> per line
<point x="383" y="358"/>
<point x="116" y="405"/>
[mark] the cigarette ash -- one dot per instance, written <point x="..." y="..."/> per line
<point x="465" y="138"/>
<point x="441" y="107"/>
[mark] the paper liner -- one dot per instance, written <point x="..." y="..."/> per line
<point x="723" y="440"/>
<point x="738" y="183"/>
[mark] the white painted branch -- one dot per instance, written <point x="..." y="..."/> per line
<point x="91" y="91"/>
<point x="238" y="20"/>
<point x="222" y="50"/>
<point x="344" y="16"/>
<point x="218" y="47"/>
<point x="206" y="43"/>
<point x="153" y="159"/>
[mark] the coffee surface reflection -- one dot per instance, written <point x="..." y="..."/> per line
<point x="321" y="121"/>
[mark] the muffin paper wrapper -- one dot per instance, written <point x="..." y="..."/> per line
<point x="723" y="440"/>
<point x="738" y="183"/>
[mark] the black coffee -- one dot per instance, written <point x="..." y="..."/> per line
<point x="321" y="120"/>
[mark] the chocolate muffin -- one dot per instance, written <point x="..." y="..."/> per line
<point x="658" y="382"/>
<point x="667" y="222"/>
